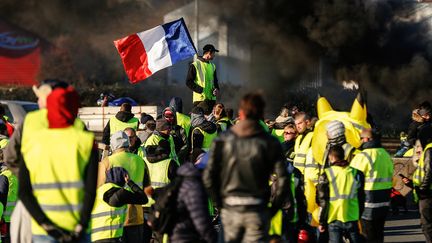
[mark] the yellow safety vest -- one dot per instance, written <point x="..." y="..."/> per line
<point x="301" y="147"/>
<point x="158" y="172"/>
<point x="419" y="172"/>
<point x="117" y="125"/>
<point x="223" y="123"/>
<point x="377" y="166"/>
<point x="56" y="160"/>
<point x="344" y="205"/>
<point x="279" y="134"/>
<point x="155" y="139"/>
<point x="130" y="162"/>
<point x="106" y="221"/>
<point x="204" y="79"/>
<point x="184" y="121"/>
<point x="3" y="143"/>
<point x="208" y="138"/>
<point x="36" y="120"/>
<point x="12" y="194"/>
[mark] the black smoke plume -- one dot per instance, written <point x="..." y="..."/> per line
<point x="385" y="46"/>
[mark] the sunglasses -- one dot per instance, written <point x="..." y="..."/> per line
<point x="289" y="133"/>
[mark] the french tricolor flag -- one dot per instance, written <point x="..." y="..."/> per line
<point x="149" y="51"/>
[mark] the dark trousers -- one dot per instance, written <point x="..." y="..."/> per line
<point x="337" y="229"/>
<point x="373" y="230"/>
<point x="425" y="208"/>
<point x="133" y="234"/>
<point x="291" y="232"/>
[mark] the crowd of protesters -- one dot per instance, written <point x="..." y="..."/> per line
<point x="295" y="178"/>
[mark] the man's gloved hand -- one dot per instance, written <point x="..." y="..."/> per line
<point x="58" y="233"/>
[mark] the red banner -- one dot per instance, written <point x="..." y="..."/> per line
<point x="19" y="56"/>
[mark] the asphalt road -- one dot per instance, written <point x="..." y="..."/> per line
<point x="404" y="227"/>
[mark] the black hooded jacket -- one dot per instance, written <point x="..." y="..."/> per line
<point x="240" y="163"/>
<point x="123" y="116"/>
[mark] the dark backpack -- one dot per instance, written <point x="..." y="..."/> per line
<point x="164" y="211"/>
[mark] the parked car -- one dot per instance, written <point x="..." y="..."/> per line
<point x="16" y="110"/>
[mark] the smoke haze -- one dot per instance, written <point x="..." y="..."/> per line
<point x="385" y="46"/>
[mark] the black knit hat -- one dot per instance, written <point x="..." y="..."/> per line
<point x="145" y="118"/>
<point x="162" y="125"/>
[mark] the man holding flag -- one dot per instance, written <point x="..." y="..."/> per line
<point x="202" y="79"/>
<point x="147" y="52"/>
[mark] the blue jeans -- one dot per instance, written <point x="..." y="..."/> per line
<point x="49" y="239"/>
<point x="337" y="229"/>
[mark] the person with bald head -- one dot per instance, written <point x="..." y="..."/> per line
<point x="377" y="166"/>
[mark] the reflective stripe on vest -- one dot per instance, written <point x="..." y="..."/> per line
<point x="376" y="205"/>
<point x="106" y="221"/>
<point x="301" y="147"/>
<point x="56" y="164"/>
<point x="208" y="138"/>
<point x="380" y="173"/>
<point x="58" y="185"/>
<point x="312" y="168"/>
<point x="117" y="125"/>
<point x="12" y="194"/>
<point x="343" y="205"/>
<point x="204" y="79"/>
<point x="3" y="143"/>
<point x="158" y="172"/>
<point x="419" y="173"/>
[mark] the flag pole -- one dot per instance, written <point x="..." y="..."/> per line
<point x="196" y="25"/>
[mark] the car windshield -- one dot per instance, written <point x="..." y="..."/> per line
<point x="30" y="107"/>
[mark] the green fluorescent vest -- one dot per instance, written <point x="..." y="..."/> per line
<point x="106" y="221"/>
<point x="279" y="134"/>
<point x="158" y="175"/>
<point x="155" y="139"/>
<point x="343" y="187"/>
<point x="36" y="120"/>
<point x="130" y="162"/>
<point x="223" y="123"/>
<point x="301" y="150"/>
<point x="117" y="125"/>
<point x="208" y="138"/>
<point x="378" y="168"/>
<point x="12" y="194"/>
<point x="419" y="172"/>
<point x="56" y="172"/>
<point x="184" y="121"/>
<point x="204" y="79"/>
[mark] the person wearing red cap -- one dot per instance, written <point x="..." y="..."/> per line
<point x="178" y="139"/>
<point x="34" y="121"/>
<point x="58" y="176"/>
<point x="202" y="78"/>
